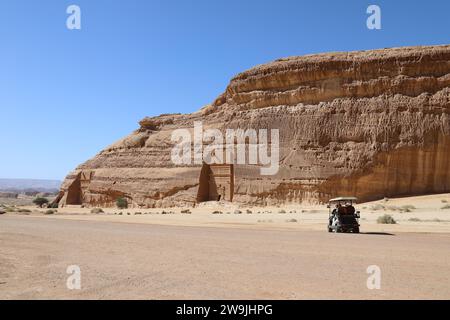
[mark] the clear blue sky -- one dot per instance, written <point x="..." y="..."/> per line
<point x="65" y="95"/>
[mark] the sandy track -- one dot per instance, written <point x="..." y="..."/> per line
<point x="138" y="261"/>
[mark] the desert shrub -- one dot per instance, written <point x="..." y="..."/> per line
<point x="217" y="212"/>
<point x="53" y="205"/>
<point x="23" y="211"/>
<point x="386" y="219"/>
<point x="249" y="211"/>
<point x="49" y="211"/>
<point x="40" y="201"/>
<point x="377" y="206"/>
<point x="447" y="206"/>
<point x="237" y="211"/>
<point x="2" y="211"/>
<point x="291" y="220"/>
<point x="282" y="211"/>
<point x="122" y="203"/>
<point x="414" y="219"/>
<point x="444" y="201"/>
<point x="405" y="208"/>
<point x="392" y="208"/>
<point x="96" y="210"/>
<point x="120" y="213"/>
<point x="437" y="220"/>
<point x="186" y="211"/>
<point x="138" y="213"/>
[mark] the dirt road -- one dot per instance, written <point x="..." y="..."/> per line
<point x="138" y="261"/>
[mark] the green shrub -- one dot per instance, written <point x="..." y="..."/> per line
<point x="39" y="201"/>
<point x="122" y="203"/>
<point x="386" y="219"/>
<point x="53" y="205"/>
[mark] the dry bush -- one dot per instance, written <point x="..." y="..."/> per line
<point x="386" y="219"/>
<point x="377" y="206"/>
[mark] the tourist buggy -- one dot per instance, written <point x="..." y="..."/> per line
<point x="342" y="215"/>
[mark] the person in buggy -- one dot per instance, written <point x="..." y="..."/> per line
<point x="342" y="215"/>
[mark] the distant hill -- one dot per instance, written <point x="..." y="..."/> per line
<point x="27" y="185"/>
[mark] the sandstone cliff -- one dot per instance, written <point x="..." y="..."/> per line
<point x="368" y="123"/>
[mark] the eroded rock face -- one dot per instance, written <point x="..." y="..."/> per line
<point x="372" y="124"/>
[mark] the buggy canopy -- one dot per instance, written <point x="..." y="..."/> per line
<point x="343" y="199"/>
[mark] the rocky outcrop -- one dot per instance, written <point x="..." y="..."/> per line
<point x="371" y="124"/>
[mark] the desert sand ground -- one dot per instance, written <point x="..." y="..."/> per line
<point x="227" y="255"/>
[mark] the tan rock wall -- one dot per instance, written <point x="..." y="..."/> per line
<point x="370" y="124"/>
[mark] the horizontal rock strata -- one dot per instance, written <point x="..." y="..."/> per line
<point x="372" y="124"/>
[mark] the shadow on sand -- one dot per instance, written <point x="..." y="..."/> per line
<point x="378" y="233"/>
